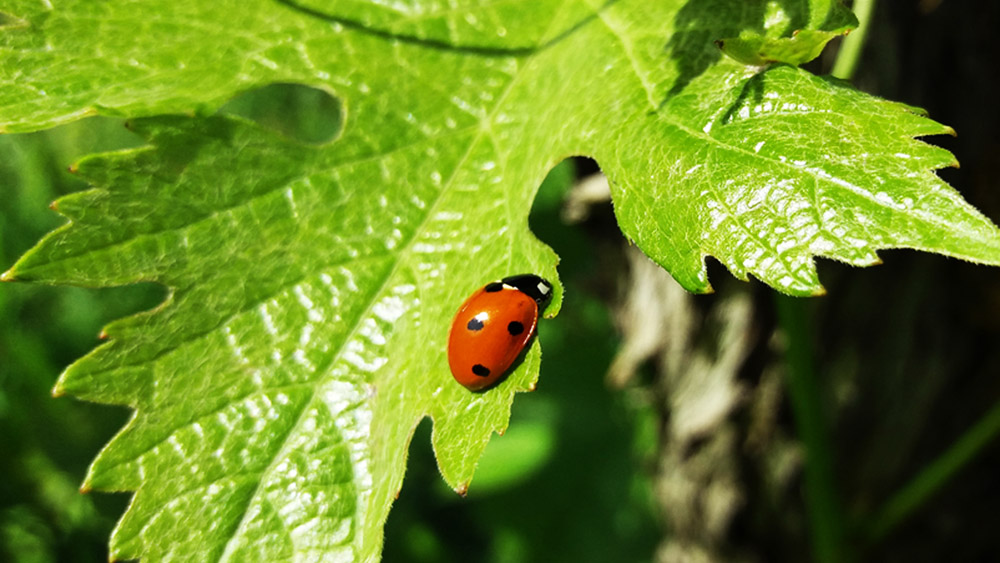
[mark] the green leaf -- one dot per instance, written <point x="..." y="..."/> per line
<point x="503" y="26"/>
<point x="312" y="287"/>
<point x="787" y="38"/>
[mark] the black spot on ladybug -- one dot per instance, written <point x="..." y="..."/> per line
<point x="493" y="287"/>
<point x="481" y="370"/>
<point x="515" y="328"/>
<point x="474" y="324"/>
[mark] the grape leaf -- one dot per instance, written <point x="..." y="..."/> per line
<point x="276" y="389"/>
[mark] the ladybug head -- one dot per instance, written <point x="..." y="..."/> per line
<point x="533" y="286"/>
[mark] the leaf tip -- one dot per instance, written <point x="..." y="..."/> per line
<point x="462" y="489"/>
<point x="703" y="287"/>
<point x="8" y="276"/>
<point x="103" y="335"/>
<point x="73" y="168"/>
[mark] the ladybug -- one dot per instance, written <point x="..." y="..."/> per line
<point x="492" y="328"/>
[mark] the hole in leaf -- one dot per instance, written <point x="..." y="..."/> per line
<point x="574" y="236"/>
<point x="309" y="115"/>
<point x="558" y="183"/>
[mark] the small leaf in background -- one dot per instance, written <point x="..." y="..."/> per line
<point x="787" y="38"/>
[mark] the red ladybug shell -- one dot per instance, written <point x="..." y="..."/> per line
<point x="492" y="328"/>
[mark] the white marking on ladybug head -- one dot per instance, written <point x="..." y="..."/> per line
<point x="543" y="288"/>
